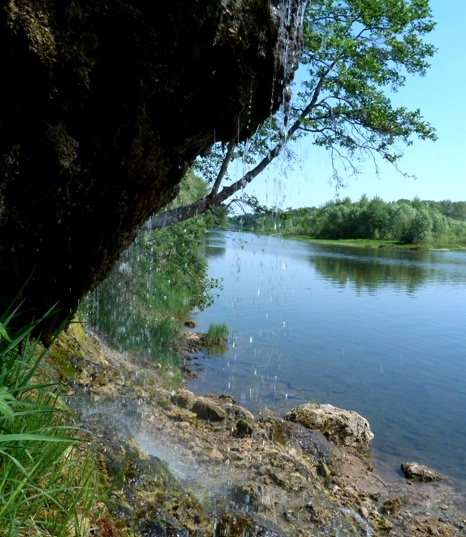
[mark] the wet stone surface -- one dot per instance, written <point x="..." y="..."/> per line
<point x="173" y="470"/>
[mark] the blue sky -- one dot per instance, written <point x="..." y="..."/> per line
<point x="439" y="167"/>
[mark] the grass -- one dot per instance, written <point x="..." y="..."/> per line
<point x="217" y="334"/>
<point x="47" y="483"/>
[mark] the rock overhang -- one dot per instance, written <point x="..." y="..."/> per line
<point x="104" y="106"/>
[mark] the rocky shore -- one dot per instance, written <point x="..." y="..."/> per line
<point x="178" y="464"/>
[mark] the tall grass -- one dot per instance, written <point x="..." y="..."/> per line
<point x="217" y="334"/>
<point x="47" y="483"/>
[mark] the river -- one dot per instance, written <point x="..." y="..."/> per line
<point x="381" y="332"/>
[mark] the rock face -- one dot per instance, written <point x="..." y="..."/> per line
<point x="103" y="108"/>
<point x="344" y="427"/>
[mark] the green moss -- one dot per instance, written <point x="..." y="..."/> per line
<point x="33" y="19"/>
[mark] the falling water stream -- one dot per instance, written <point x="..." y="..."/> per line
<point x="381" y="332"/>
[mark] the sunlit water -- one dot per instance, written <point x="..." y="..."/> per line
<point x="381" y="332"/>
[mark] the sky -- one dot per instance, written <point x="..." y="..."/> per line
<point x="439" y="167"/>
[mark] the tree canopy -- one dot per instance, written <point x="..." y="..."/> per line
<point x="356" y="55"/>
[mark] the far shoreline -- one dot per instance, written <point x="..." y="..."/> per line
<point x="360" y="243"/>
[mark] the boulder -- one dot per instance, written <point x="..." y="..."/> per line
<point x="183" y="399"/>
<point x="104" y="106"/>
<point x="419" y="472"/>
<point x="311" y="442"/>
<point x="343" y="427"/>
<point x="206" y="409"/>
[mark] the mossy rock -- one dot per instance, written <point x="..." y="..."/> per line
<point x="240" y="524"/>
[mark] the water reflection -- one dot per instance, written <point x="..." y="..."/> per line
<point x="340" y="326"/>
<point x="216" y="246"/>
<point x="368" y="270"/>
<point x="367" y="274"/>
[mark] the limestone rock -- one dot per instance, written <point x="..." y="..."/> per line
<point x="206" y="409"/>
<point x="240" y="524"/>
<point x="105" y="105"/>
<point x="344" y="427"/>
<point x="244" y="428"/>
<point x="391" y="505"/>
<point x="419" y="472"/>
<point x="184" y="399"/>
<point x="313" y="443"/>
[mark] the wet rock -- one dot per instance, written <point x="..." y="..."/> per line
<point x="380" y="523"/>
<point x="216" y="456"/>
<point x="189" y="373"/>
<point x="247" y="495"/>
<point x="206" y="409"/>
<point x="112" y="439"/>
<point x="311" y="442"/>
<point x="391" y="506"/>
<point x="419" y="472"/>
<point x="250" y="525"/>
<point x="181" y="414"/>
<point x="238" y="412"/>
<point x="224" y="399"/>
<point x="184" y="399"/>
<point x="244" y="428"/>
<point x="161" y="529"/>
<point x="344" y="427"/>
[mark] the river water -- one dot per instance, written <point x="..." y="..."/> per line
<point x="381" y="332"/>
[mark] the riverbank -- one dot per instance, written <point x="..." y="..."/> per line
<point x="361" y="243"/>
<point x="186" y="465"/>
<point x="370" y="243"/>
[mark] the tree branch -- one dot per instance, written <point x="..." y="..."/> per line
<point x="223" y="169"/>
<point x="215" y="198"/>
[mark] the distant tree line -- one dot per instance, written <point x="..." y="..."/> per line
<point x="409" y="222"/>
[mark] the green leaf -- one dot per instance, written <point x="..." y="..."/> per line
<point x="27" y="437"/>
<point x="6" y="398"/>
<point x="4" y="333"/>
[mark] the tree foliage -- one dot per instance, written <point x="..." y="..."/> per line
<point x="408" y="222"/>
<point x="356" y="54"/>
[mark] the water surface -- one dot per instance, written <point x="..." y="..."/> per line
<point x="381" y="332"/>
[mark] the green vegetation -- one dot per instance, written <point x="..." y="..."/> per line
<point x="356" y="55"/>
<point x="47" y="482"/>
<point x="159" y="280"/>
<point x="217" y="334"/>
<point x="373" y="223"/>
